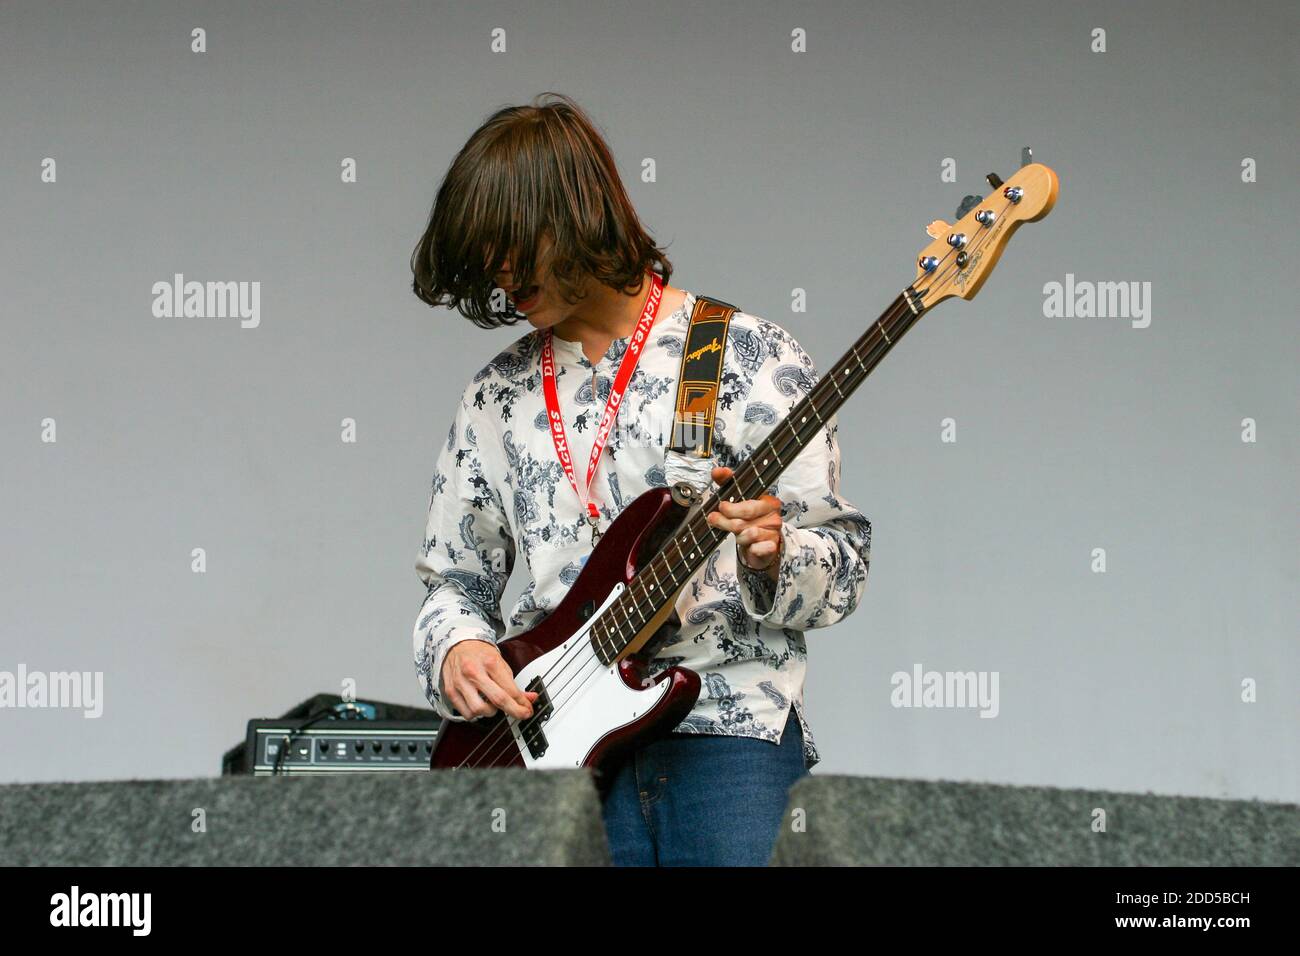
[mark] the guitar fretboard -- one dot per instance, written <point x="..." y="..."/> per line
<point x="688" y="549"/>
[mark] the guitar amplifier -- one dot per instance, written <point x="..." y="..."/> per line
<point x="327" y="735"/>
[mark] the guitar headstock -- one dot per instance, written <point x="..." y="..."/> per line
<point x="963" y="254"/>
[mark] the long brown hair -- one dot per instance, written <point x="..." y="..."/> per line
<point x="528" y="171"/>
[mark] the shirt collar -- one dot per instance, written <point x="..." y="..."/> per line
<point x="570" y="353"/>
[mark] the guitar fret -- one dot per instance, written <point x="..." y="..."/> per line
<point x="694" y="540"/>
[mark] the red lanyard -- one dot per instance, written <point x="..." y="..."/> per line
<point x="621" y="378"/>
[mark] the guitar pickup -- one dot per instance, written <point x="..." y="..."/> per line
<point x="530" y="728"/>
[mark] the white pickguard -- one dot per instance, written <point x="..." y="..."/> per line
<point x="589" y="699"/>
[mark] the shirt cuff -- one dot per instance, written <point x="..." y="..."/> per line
<point x="758" y="592"/>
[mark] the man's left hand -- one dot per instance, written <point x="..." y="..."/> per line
<point x="756" y="522"/>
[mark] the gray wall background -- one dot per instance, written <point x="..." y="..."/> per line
<point x="776" y="171"/>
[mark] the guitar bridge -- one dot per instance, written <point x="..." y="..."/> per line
<point x="530" y="728"/>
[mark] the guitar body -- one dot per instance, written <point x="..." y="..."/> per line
<point x="598" y="711"/>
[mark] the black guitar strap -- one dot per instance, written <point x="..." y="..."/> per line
<point x="699" y="377"/>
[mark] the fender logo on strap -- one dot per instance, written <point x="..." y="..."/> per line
<point x="700" y="376"/>
<point x="711" y="347"/>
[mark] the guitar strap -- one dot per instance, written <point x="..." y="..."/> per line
<point x="700" y="376"/>
<point x="698" y="381"/>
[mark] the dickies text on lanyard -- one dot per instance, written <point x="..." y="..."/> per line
<point x="626" y="366"/>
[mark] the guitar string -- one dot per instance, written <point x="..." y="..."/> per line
<point x="863" y="369"/>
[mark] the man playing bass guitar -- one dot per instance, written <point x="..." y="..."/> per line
<point x="533" y="207"/>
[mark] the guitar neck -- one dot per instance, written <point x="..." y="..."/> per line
<point x="692" y="544"/>
<point x="764" y="466"/>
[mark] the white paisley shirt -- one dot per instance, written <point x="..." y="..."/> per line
<point x="499" y="491"/>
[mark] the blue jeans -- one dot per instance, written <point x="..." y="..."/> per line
<point x="702" y="800"/>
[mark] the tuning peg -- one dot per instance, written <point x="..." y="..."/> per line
<point x="938" y="228"/>
<point x="994" y="180"/>
<point x="1026" y="156"/>
<point x="967" y="204"/>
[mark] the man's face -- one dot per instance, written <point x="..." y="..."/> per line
<point x="540" y="301"/>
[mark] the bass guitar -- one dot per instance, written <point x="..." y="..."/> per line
<point x="588" y="659"/>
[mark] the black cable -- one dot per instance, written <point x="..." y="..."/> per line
<point x="342" y="711"/>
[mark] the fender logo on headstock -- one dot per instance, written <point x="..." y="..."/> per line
<point x="963" y="276"/>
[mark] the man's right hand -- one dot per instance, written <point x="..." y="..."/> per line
<point x="478" y="682"/>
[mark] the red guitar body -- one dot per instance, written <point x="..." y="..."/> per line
<point x="632" y="539"/>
